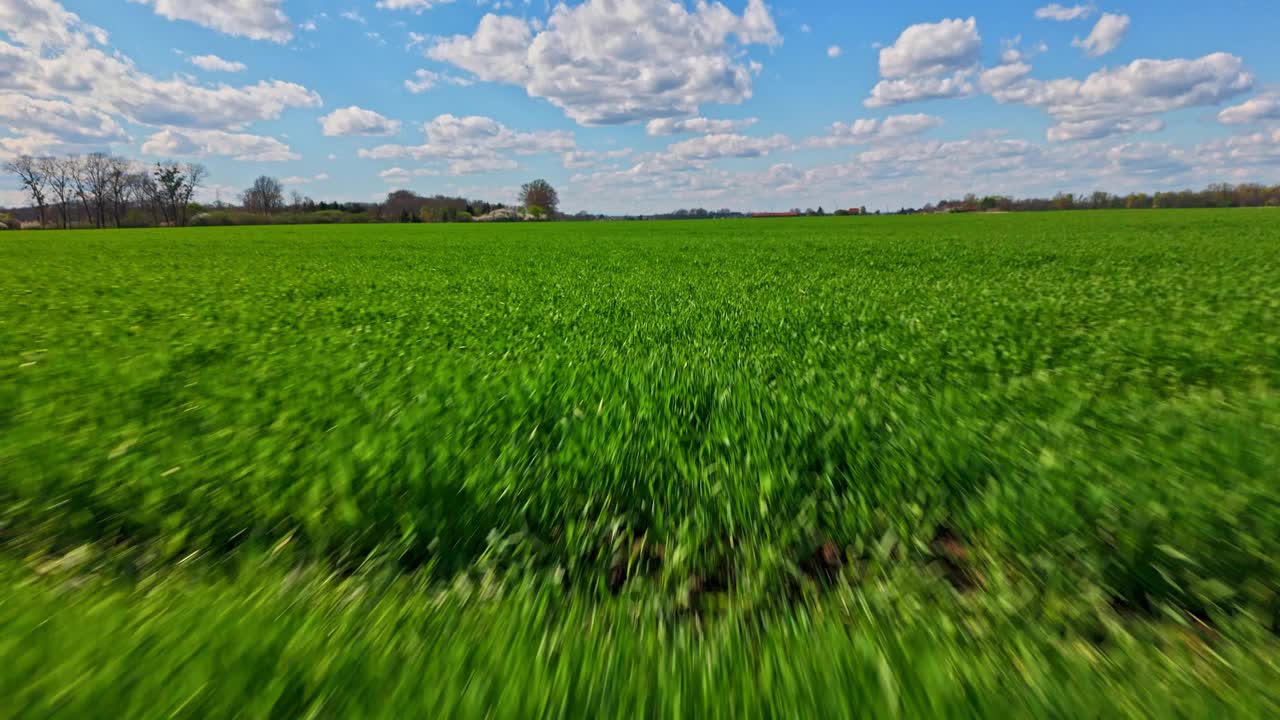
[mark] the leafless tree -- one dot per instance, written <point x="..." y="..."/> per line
<point x="96" y="169"/>
<point x="118" y="172"/>
<point x="266" y="196"/>
<point x="58" y="175"/>
<point x="30" y="172"/>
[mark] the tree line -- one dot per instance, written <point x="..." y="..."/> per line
<point x="1221" y="195"/>
<point x="100" y="190"/>
<point x="104" y="191"/>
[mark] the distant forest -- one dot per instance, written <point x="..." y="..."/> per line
<point x="1215" y="196"/>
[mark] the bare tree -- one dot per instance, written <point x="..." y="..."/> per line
<point x="295" y="199"/>
<point x="96" y="171"/>
<point x="196" y="175"/>
<point x="31" y="175"/>
<point x="150" y="195"/>
<point x="118" y="172"/>
<point x="266" y="196"/>
<point x="79" y="183"/>
<point x="58" y="174"/>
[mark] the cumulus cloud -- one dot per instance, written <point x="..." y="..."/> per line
<point x="1106" y="35"/>
<point x="180" y="142"/>
<point x="356" y="120"/>
<point x="474" y="144"/>
<point x="577" y="159"/>
<point x="928" y="61"/>
<point x="727" y="145"/>
<point x="1147" y="159"/>
<point x="424" y="80"/>
<point x="834" y="52"/>
<point x="696" y="125"/>
<point x="213" y="63"/>
<point x="1103" y="127"/>
<point x="305" y="180"/>
<point x="1109" y="101"/>
<point x="57" y="123"/>
<point x="609" y="62"/>
<point x="1263" y="108"/>
<point x="254" y="19"/>
<point x="44" y="22"/>
<point x="932" y="49"/>
<point x="1239" y="156"/>
<point x="866" y="130"/>
<point x="68" y="63"/>
<point x="887" y="93"/>
<point x="416" y="6"/>
<point x="1054" y="11"/>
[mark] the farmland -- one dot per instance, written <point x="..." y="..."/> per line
<point x="969" y="466"/>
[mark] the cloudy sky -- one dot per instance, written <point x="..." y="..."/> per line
<point x="650" y="105"/>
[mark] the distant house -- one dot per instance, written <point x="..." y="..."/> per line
<point x="775" y="215"/>
<point x="855" y="211"/>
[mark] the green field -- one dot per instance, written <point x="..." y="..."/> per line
<point x="946" y="466"/>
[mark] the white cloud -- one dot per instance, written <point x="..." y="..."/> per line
<point x="178" y="142"/>
<point x="357" y="121"/>
<point x="424" y="80"/>
<point x="354" y="16"/>
<point x="1239" y="158"/>
<point x="1147" y="159"/>
<point x="213" y="63"/>
<point x="696" y="125"/>
<point x="577" y="159"/>
<point x="1061" y="13"/>
<point x="68" y="63"/>
<point x="1013" y="51"/>
<point x="403" y="175"/>
<point x="416" y="6"/>
<point x="44" y="22"/>
<point x="254" y="19"/>
<point x="834" y="52"/>
<point x="304" y="180"/>
<point x="932" y="49"/>
<point x="55" y="124"/>
<point x="1106" y="35"/>
<point x="1113" y="98"/>
<point x="927" y="62"/>
<point x="887" y="93"/>
<point x="112" y="83"/>
<point x="474" y="144"/>
<point x="1263" y="108"/>
<point x="1002" y="76"/>
<point x="726" y="145"/>
<point x="608" y="62"/>
<point x="1103" y="127"/>
<point x="865" y="130"/>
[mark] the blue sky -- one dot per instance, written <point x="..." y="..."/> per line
<point x="650" y="105"/>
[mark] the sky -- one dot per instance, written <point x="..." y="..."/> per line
<point x="633" y="106"/>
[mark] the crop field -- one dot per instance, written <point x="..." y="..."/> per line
<point x="947" y="466"/>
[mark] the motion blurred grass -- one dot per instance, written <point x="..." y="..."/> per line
<point x="584" y="468"/>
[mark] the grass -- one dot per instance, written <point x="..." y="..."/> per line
<point x="1017" y="465"/>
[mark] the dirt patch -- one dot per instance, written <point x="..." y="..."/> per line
<point x="953" y="558"/>
<point x="825" y="563"/>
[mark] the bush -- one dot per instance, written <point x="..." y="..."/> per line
<point x="9" y="222"/>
